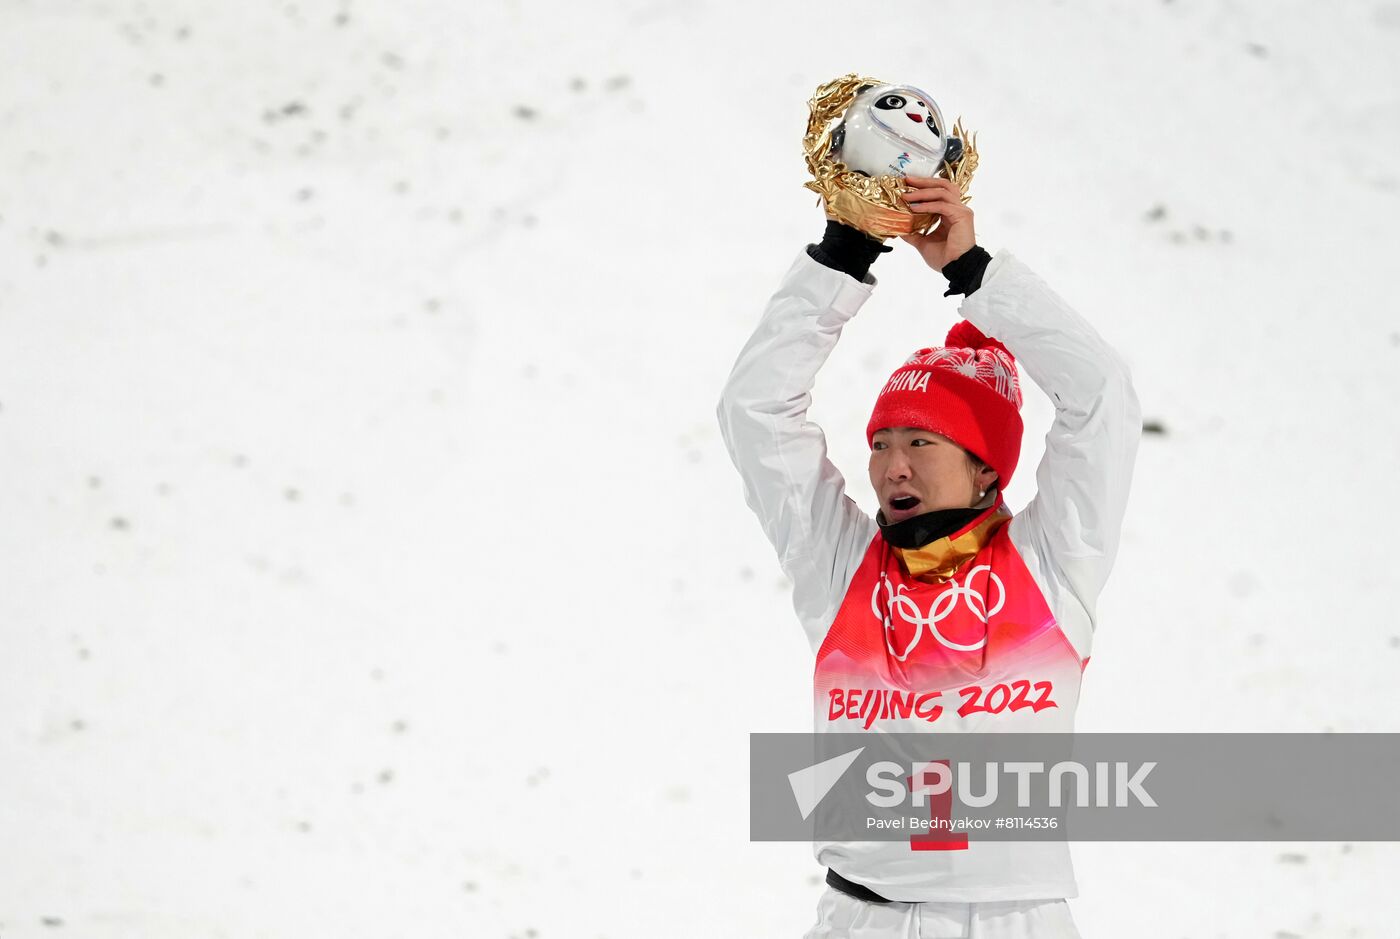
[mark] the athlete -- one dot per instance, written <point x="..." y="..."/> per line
<point x="945" y="613"/>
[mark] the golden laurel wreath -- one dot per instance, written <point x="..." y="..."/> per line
<point x="871" y="203"/>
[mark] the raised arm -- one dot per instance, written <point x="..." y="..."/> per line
<point x="1072" y="524"/>
<point x="798" y="495"/>
<point x="1069" y="531"/>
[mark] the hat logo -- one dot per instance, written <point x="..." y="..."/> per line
<point x="913" y="379"/>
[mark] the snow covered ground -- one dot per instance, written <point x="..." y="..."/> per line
<point x="372" y="563"/>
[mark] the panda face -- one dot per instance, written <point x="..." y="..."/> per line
<point x="892" y="130"/>
<point x="917" y="121"/>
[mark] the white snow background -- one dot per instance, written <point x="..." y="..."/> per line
<point x="373" y="566"/>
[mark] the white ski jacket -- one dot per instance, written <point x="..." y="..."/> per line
<point x="1066" y="538"/>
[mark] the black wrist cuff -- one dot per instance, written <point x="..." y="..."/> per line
<point x="847" y="249"/>
<point x="965" y="274"/>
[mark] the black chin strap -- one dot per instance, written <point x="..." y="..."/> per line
<point x="922" y="529"/>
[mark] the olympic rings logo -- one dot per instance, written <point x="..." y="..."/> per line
<point x="897" y="601"/>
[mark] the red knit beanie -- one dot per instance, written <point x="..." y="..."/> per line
<point x="967" y="391"/>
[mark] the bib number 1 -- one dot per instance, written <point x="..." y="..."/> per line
<point x="940" y="812"/>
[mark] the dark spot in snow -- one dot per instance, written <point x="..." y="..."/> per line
<point x="1257" y="50"/>
<point x="51" y="921"/>
<point x="290" y="109"/>
<point x="617" y="82"/>
<point x="1156" y="213"/>
<point x="120" y="524"/>
<point x="524" y="112"/>
<point x="577" y="84"/>
<point x="1292" y="857"/>
<point x="1154" y="426"/>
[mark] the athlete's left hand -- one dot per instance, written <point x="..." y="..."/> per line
<point x="954" y="235"/>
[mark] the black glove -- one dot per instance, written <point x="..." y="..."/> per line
<point x="847" y="249"/>
<point x="964" y="273"/>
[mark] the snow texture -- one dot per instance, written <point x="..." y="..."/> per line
<point x="373" y="566"/>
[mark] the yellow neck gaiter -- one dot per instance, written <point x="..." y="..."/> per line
<point x="939" y="560"/>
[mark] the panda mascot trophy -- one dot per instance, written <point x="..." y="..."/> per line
<point x="885" y="132"/>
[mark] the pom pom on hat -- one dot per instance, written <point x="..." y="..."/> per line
<point x="964" y="335"/>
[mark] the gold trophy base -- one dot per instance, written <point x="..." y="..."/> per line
<point x="876" y="220"/>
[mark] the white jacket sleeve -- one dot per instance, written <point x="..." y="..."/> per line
<point x="799" y="496"/>
<point x="1068" y="534"/>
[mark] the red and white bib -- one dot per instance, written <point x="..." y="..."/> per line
<point x="975" y="652"/>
